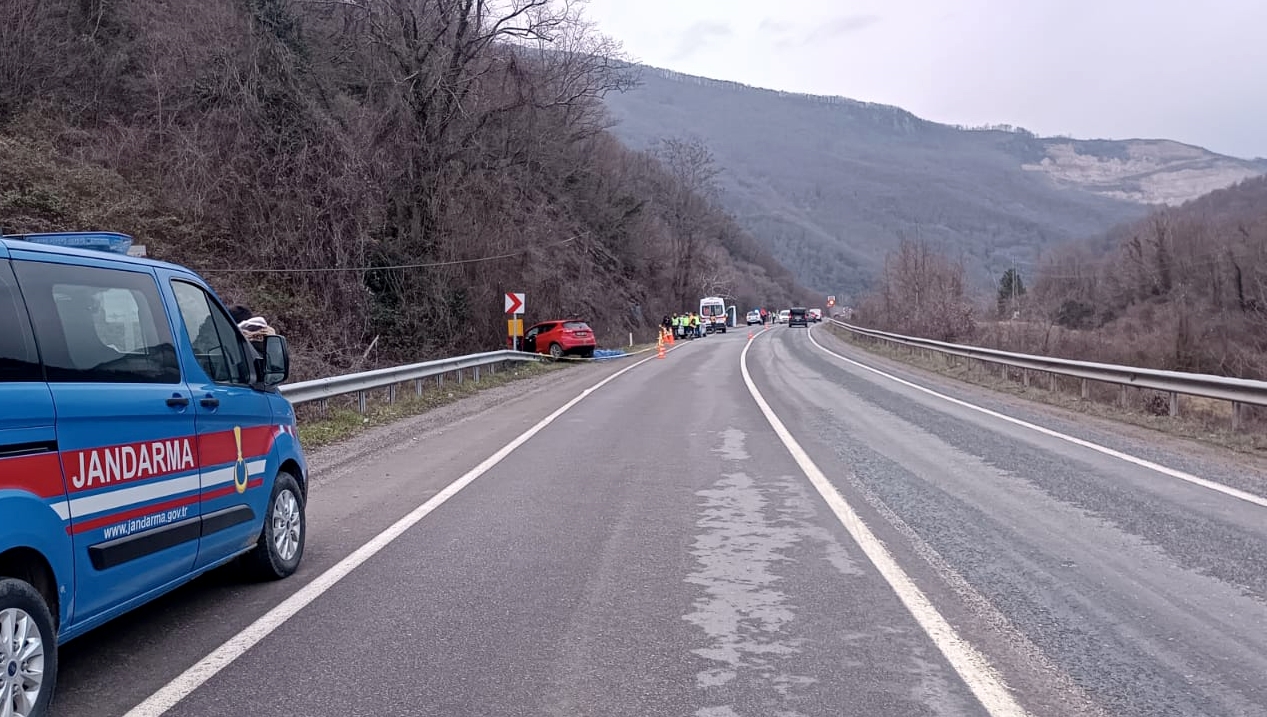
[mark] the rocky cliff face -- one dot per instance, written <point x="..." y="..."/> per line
<point x="1142" y="171"/>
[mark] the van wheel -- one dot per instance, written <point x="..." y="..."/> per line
<point x="28" y="650"/>
<point x="556" y="351"/>
<point x="281" y="543"/>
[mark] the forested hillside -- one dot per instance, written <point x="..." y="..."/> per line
<point x="364" y="169"/>
<point x="1184" y="289"/>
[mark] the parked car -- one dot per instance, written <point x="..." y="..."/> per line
<point x="816" y="315"/>
<point x="562" y="337"/>
<point x="754" y="317"/>
<point x="142" y="443"/>
<point x="798" y="316"/>
<point x="782" y="316"/>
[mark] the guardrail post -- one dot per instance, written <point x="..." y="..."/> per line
<point x="418" y="387"/>
<point x="1236" y="415"/>
<point x="360" y="401"/>
<point x="1122" y="399"/>
<point x="459" y="373"/>
<point x="1054" y="386"/>
<point x="1086" y="390"/>
<point x="391" y="393"/>
<point x="1174" y="404"/>
<point x="439" y="380"/>
<point x="477" y="374"/>
<point x="1025" y="377"/>
<point x="323" y="406"/>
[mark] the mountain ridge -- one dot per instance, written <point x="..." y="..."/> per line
<point x="831" y="183"/>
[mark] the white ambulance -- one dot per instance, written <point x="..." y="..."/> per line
<point x="712" y="313"/>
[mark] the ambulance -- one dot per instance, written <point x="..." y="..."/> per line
<point x="712" y="314"/>
<point x="142" y="443"/>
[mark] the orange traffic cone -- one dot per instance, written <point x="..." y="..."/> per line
<point x="659" y="349"/>
<point x="749" y="334"/>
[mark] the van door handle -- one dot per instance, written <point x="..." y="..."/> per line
<point x="177" y="401"/>
<point x="209" y="402"/>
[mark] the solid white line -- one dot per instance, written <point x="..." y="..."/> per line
<point x="1173" y="473"/>
<point x="973" y="668"/>
<point x="224" y="655"/>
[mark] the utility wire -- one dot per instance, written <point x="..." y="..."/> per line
<point x="422" y="265"/>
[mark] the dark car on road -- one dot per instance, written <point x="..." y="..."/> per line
<point x="798" y="316"/>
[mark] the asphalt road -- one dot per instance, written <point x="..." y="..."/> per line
<point x="657" y="549"/>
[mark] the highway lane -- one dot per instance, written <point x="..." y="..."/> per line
<point x="1092" y="583"/>
<point x="656" y="550"/>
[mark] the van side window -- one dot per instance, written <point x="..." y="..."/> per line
<point x="98" y="325"/>
<point x="18" y="358"/>
<point x="217" y="343"/>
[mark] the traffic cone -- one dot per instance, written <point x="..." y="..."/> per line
<point x="659" y="349"/>
<point x="749" y="334"/>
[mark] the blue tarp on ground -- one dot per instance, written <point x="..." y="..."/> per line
<point x="608" y="353"/>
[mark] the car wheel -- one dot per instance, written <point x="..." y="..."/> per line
<point x="28" y="650"/>
<point x="281" y="543"/>
<point x="556" y="350"/>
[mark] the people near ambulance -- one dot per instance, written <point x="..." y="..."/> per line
<point x="695" y="324"/>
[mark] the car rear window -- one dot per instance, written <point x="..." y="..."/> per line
<point x="576" y="325"/>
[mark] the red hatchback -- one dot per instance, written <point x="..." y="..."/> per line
<point x="559" y="338"/>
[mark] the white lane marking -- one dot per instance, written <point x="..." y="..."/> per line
<point x="191" y="679"/>
<point x="973" y="668"/>
<point x="1173" y="473"/>
<point x="111" y="500"/>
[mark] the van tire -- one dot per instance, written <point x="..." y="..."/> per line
<point x="277" y="555"/>
<point x="21" y="596"/>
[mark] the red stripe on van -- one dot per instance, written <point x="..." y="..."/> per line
<point x="40" y="474"/>
<point x="221" y="447"/>
<point x="231" y="489"/>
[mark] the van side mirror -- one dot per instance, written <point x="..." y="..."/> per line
<point x="276" y="360"/>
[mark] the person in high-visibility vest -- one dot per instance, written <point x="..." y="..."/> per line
<point x="695" y="325"/>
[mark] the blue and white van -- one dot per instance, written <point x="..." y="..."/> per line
<point x="142" y="443"/>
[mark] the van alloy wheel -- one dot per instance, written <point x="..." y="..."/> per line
<point x="21" y="662"/>
<point x="287" y="524"/>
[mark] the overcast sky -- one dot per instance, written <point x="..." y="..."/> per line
<point x="1189" y="70"/>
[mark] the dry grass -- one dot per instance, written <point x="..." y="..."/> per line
<point x="1202" y="419"/>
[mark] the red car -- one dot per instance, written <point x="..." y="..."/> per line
<point x="560" y="338"/>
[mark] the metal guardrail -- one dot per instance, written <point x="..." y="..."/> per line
<point x="1237" y="390"/>
<point x="324" y="388"/>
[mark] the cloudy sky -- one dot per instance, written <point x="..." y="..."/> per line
<point x="1189" y="70"/>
